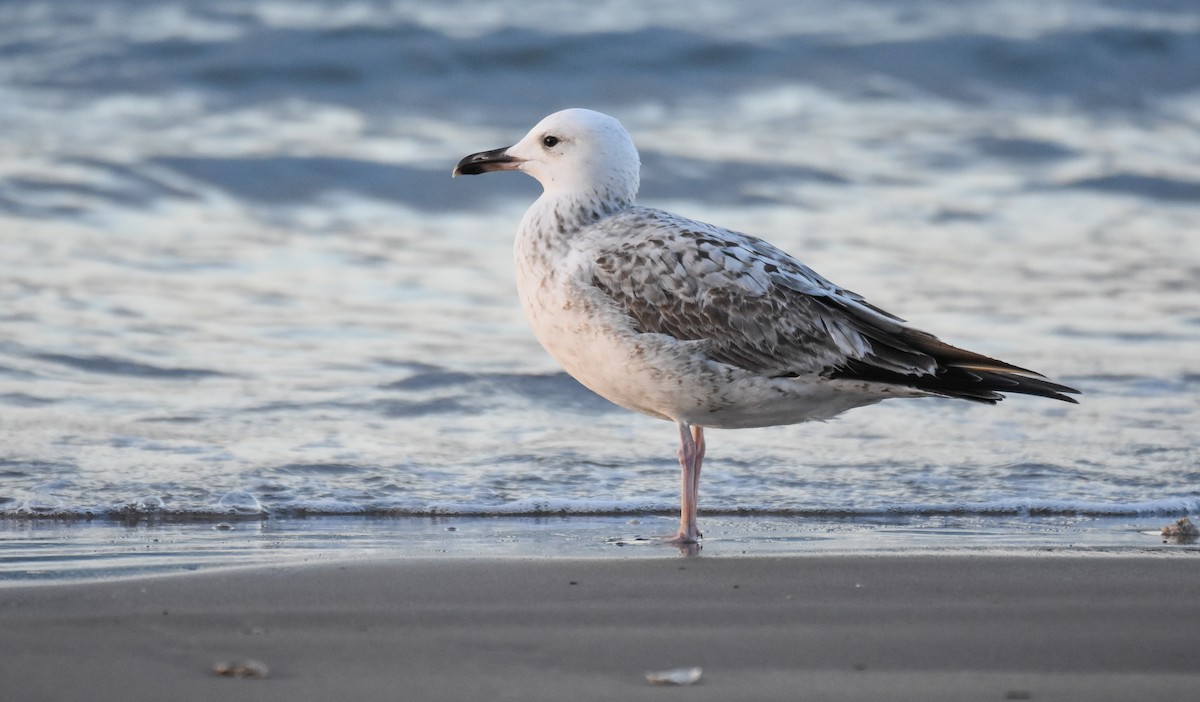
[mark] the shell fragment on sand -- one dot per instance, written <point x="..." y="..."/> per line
<point x="675" y="676"/>
<point x="1183" y="530"/>
<point x="241" y="669"/>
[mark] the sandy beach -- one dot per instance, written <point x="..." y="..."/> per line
<point x="919" y="627"/>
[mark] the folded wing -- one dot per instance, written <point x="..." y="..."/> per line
<point x="756" y="308"/>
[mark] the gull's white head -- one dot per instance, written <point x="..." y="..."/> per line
<point x="574" y="151"/>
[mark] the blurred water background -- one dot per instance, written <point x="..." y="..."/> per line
<point x="236" y="279"/>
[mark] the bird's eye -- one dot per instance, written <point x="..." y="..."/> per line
<point x="550" y="141"/>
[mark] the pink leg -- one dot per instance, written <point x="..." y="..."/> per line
<point x="691" y="454"/>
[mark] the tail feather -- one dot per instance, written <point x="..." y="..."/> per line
<point x="959" y="373"/>
<point x="902" y="355"/>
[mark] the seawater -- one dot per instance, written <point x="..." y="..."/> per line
<point x="237" y="280"/>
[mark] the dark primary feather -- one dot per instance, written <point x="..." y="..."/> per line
<point x="774" y="315"/>
<point x="959" y="373"/>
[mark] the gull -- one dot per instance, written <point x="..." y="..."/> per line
<point x="699" y="325"/>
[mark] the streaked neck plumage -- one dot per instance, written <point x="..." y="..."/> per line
<point x="557" y="216"/>
<point x="589" y="169"/>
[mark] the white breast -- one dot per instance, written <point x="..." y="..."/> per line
<point x="589" y="337"/>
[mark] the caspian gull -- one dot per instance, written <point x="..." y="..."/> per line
<point x="700" y="325"/>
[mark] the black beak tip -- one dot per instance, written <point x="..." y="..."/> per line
<point x="484" y="162"/>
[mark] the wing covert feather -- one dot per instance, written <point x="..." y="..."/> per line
<point x="754" y="306"/>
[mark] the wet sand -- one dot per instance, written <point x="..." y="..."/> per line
<point x="897" y="627"/>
